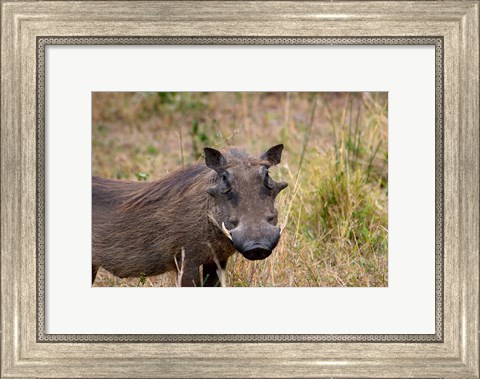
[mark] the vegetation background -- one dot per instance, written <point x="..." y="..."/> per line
<point x="335" y="160"/>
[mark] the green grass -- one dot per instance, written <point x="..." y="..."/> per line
<point x="335" y="160"/>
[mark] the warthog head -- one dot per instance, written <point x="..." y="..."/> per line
<point x="244" y="196"/>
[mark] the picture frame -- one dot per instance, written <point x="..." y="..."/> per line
<point x="452" y="26"/>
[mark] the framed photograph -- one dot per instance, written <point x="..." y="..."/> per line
<point x="240" y="189"/>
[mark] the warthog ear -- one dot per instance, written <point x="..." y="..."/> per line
<point x="273" y="155"/>
<point x="214" y="159"/>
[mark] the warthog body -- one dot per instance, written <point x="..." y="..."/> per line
<point x="207" y="211"/>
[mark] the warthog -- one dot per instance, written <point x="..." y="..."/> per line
<point x="199" y="215"/>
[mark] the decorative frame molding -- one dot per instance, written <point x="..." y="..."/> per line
<point x="452" y="26"/>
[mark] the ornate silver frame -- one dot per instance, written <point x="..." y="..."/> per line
<point x="451" y="26"/>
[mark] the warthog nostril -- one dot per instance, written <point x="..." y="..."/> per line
<point x="257" y="252"/>
<point x="271" y="219"/>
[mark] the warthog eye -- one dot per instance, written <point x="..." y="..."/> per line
<point x="226" y="188"/>
<point x="268" y="181"/>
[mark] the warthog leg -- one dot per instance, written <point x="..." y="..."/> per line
<point x="94" y="273"/>
<point x="210" y="275"/>
<point x="190" y="276"/>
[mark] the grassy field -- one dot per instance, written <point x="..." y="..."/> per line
<point x="335" y="160"/>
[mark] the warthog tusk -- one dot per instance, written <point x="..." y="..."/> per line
<point x="226" y="231"/>
<point x="223" y="228"/>
<point x="282" y="227"/>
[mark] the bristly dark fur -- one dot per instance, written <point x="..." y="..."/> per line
<point x="172" y="186"/>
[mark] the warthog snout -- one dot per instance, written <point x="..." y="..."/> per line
<point x="258" y="244"/>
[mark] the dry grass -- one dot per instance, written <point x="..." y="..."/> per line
<point x="335" y="160"/>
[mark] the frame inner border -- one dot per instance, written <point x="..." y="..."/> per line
<point x="41" y="44"/>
